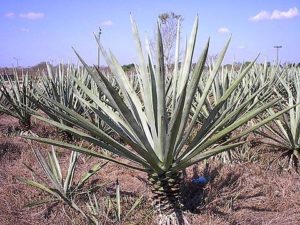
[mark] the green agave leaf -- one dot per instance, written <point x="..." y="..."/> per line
<point x="47" y="169"/>
<point x="204" y="155"/>
<point x="176" y="68"/>
<point x="90" y="173"/>
<point x="38" y="203"/>
<point x="184" y="75"/>
<point x="261" y="123"/>
<point x="134" y="206"/>
<point x="118" y="201"/>
<point x="82" y="150"/>
<point x="182" y="110"/>
<point x="204" y="95"/>
<point x="71" y="171"/>
<point x="191" y="153"/>
<point x="161" y="98"/>
<point x="39" y="186"/>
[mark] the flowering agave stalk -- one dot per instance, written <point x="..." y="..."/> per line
<point x="156" y="129"/>
<point x="14" y="93"/>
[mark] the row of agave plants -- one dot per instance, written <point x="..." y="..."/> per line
<point x="167" y="121"/>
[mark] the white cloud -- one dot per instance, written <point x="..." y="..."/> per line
<point x="23" y="29"/>
<point x="32" y="15"/>
<point x="275" y="15"/>
<point x="10" y="15"/>
<point x="241" y="47"/>
<point x="263" y="15"/>
<point x="223" y="30"/>
<point x="107" y="23"/>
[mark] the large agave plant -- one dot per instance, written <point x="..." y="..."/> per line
<point x="156" y="123"/>
<point x="14" y="93"/>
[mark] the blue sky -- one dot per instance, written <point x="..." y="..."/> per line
<point x="36" y="30"/>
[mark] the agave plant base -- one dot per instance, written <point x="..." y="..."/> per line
<point x="25" y="124"/>
<point x="175" y="218"/>
<point x="166" y="195"/>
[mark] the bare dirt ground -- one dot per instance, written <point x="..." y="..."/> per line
<point x="241" y="193"/>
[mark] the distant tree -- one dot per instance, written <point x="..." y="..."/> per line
<point x="247" y="63"/>
<point x="168" y="24"/>
<point x="128" y="68"/>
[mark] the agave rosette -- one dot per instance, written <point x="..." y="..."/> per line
<point x="284" y="132"/>
<point x="155" y="123"/>
<point x="14" y="91"/>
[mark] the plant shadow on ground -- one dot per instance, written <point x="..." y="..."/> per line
<point x="195" y="196"/>
<point x="226" y="191"/>
<point x="9" y="151"/>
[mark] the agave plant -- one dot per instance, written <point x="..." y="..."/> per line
<point x="253" y="91"/>
<point x="15" y="102"/>
<point x="59" y="85"/>
<point x="59" y="188"/>
<point x="4" y="104"/>
<point x="155" y="128"/>
<point x="113" y="204"/>
<point x="284" y="132"/>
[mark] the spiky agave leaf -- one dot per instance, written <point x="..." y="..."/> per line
<point x="157" y="133"/>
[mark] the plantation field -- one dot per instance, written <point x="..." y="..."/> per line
<point x="188" y="142"/>
<point x="249" y="192"/>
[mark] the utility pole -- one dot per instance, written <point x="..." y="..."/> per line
<point x="17" y="60"/>
<point x="277" y="50"/>
<point x="99" y="34"/>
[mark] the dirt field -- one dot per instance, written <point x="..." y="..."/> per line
<point x="242" y="193"/>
